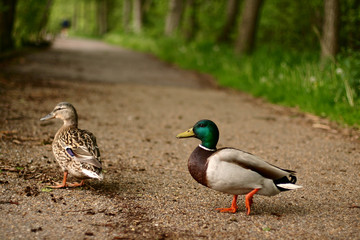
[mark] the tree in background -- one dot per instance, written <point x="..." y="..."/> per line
<point x="330" y="36"/>
<point x="45" y="16"/>
<point x="102" y="16"/>
<point x="137" y="16"/>
<point x="174" y="15"/>
<point x="247" y="30"/>
<point x="191" y="22"/>
<point x="75" y="15"/>
<point x="283" y="24"/>
<point x="7" y="17"/>
<point x="232" y="11"/>
<point x="32" y="17"/>
<point x="349" y="35"/>
<point x="290" y="25"/>
<point x="126" y="15"/>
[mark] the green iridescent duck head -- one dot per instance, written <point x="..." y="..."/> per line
<point x="206" y="131"/>
<point x="64" y="111"/>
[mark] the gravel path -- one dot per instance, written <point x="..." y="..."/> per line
<point x="136" y="105"/>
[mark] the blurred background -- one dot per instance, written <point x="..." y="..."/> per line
<point x="303" y="54"/>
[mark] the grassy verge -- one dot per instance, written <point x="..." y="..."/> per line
<point x="287" y="78"/>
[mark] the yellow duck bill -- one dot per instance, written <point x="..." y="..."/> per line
<point x="186" y="134"/>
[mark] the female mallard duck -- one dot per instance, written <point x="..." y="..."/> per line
<point x="233" y="171"/>
<point x="75" y="150"/>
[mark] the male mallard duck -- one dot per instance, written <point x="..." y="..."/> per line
<point x="233" y="171"/>
<point x="75" y="150"/>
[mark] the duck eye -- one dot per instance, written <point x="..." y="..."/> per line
<point x="202" y="125"/>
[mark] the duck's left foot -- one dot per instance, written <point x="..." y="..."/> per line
<point x="66" y="185"/>
<point x="76" y="184"/>
<point x="61" y="185"/>
<point x="249" y="201"/>
<point x="231" y="209"/>
<point x="58" y="185"/>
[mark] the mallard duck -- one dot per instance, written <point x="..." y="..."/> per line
<point x="233" y="171"/>
<point x="74" y="149"/>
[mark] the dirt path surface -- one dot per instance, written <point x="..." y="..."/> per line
<point x="135" y="105"/>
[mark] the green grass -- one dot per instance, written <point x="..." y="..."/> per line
<point x="288" y="78"/>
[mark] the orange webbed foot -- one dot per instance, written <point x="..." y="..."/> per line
<point x="76" y="184"/>
<point x="58" y="185"/>
<point x="231" y="209"/>
<point x="61" y="185"/>
<point x="64" y="184"/>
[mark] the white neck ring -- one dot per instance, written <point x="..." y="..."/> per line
<point x="207" y="149"/>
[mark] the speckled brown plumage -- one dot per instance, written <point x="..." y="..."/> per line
<point x="75" y="138"/>
<point x="74" y="149"/>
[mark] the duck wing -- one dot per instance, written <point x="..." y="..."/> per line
<point x="82" y="154"/>
<point x="84" y="149"/>
<point x="252" y="162"/>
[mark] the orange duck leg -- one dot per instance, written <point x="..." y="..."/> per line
<point x="231" y="209"/>
<point x="64" y="184"/>
<point x="248" y="199"/>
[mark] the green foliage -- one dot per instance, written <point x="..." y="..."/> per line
<point x="349" y="24"/>
<point x="31" y="20"/>
<point x="210" y="23"/>
<point x="290" y="23"/>
<point x="46" y="189"/>
<point x="115" y="16"/>
<point x="154" y="17"/>
<point x="80" y="13"/>
<point x="266" y="229"/>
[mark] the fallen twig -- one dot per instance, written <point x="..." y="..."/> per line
<point x="9" y="202"/>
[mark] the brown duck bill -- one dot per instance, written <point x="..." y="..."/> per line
<point x="47" y="117"/>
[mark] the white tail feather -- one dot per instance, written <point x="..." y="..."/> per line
<point x="289" y="186"/>
<point x="92" y="174"/>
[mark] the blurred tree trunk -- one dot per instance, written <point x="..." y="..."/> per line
<point x="146" y="9"/>
<point x="75" y="15"/>
<point x="7" y="18"/>
<point x="247" y="30"/>
<point x="146" y="6"/>
<point x="137" y="16"/>
<point x="330" y="36"/>
<point x="45" y="19"/>
<point x="192" y="25"/>
<point x="102" y="16"/>
<point x="83" y="16"/>
<point x="126" y="15"/>
<point x="232" y="11"/>
<point x="174" y="16"/>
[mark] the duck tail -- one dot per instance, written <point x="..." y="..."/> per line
<point x="286" y="184"/>
<point x="92" y="174"/>
<point x="101" y="176"/>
